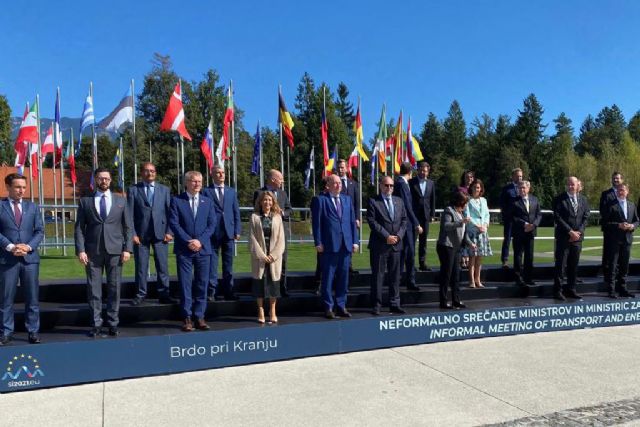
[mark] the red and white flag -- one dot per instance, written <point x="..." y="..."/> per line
<point x="174" y="116"/>
<point x="33" y="159"/>
<point x="21" y="146"/>
<point x="47" y="145"/>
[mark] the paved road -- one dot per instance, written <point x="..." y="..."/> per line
<point x="583" y="377"/>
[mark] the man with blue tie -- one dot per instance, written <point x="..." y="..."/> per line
<point x="388" y="221"/>
<point x="622" y="220"/>
<point x="526" y="217"/>
<point x="103" y="243"/>
<point x="21" y="231"/>
<point x="336" y="237"/>
<point x="423" y="199"/>
<point x="193" y="221"/>
<point x="149" y="207"/>
<point x="225" y="202"/>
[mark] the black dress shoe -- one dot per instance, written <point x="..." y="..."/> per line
<point x="531" y="283"/>
<point x="113" y="331"/>
<point x="342" y="312"/>
<point x="612" y="295"/>
<point x="423" y="267"/>
<point x="375" y="311"/>
<point x="137" y="301"/>
<point x="34" y="338"/>
<point x="459" y="305"/>
<point x="626" y="294"/>
<point x="573" y="294"/>
<point x="446" y="306"/>
<point x="231" y="297"/>
<point x="167" y="300"/>
<point x="95" y="332"/>
<point x="6" y="339"/>
<point x="397" y="310"/>
<point x="559" y="296"/>
<point x="579" y="280"/>
<point x="329" y="314"/>
<point x="413" y="287"/>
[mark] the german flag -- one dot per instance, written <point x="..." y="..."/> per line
<point x="285" y="120"/>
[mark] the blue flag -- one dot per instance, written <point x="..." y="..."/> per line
<point x="255" y="163"/>
<point x="88" y="119"/>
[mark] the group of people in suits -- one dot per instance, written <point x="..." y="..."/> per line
<point x="204" y="225"/>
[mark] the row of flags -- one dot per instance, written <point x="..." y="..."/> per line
<point x="401" y="146"/>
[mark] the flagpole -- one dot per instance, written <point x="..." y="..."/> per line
<point x="261" y="172"/>
<point x="73" y="149"/>
<point x="313" y="172"/>
<point x="280" y="129"/>
<point x="64" y="231"/>
<point x="178" y="165"/>
<point x="359" y="179"/>
<point x="182" y="155"/>
<point x="121" y="165"/>
<point x="40" y="183"/>
<point x="94" y="148"/>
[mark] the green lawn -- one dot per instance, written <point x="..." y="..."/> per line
<point x="302" y="255"/>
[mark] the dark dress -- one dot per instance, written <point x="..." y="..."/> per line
<point x="266" y="287"/>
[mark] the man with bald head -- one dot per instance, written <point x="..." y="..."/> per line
<point x="336" y="237"/>
<point x="570" y="213"/>
<point x="275" y="184"/>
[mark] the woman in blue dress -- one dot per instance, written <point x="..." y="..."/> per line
<point x="477" y="232"/>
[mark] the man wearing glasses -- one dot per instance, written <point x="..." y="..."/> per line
<point x="148" y="203"/>
<point x="103" y="242"/>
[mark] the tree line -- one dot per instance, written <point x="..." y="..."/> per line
<point x="491" y="147"/>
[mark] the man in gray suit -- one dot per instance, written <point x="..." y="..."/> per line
<point x="103" y="241"/>
<point x="148" y="204"/>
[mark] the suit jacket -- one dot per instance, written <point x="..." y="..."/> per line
<point x="332" y="231"/>
<point x="424" y="205"/>
<point x="283" y="201"/>
<point x="185" y="227"/>
<point x="149" y="220"/>
<point x="566" y="219"/>
<point x="228" y="211"/>
<point x="607" y="199"/>
<point x="508" y="196"/>
<point x="401" y="189"/>
<point x="115" y="231"/>
<point x="615" y="217"/>
<point x="258" y="246"/>
<point x="30" y="231"/>
<point x="352" y="191"/>
<point x="520" y="216"/>
<point x="382" y="226"/>
<point x="452" y="229"/>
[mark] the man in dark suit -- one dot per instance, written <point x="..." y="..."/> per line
<point x="423" y="199"/>
<point x="275" y="182"/>
<point x="225" y="202"/>
<point x="388" y="222"/>
<point x="407" y="259"/>
<point x="622" y="221"/>
<point x="608" y="198"/>
<point x="508" y="195"/>
<point x="350" y="188"/>
<point x="570" y="213"/>
<point x="148" y="203"/>
<point x="21" y="231"/>
<point x="336" y="237"/>
<point x="103" y="235"/>
<point x="193" y="220"/>
<point x="526" y="216"/>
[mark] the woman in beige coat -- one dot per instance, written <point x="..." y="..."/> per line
<point x="266" y="246"/>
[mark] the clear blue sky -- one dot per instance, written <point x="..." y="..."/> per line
<point x="576" y="56"/>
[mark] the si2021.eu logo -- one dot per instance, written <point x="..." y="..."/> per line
<point x="22" y="371"/>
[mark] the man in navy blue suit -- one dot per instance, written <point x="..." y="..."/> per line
<point x="149" y="204"/>
<point x="423" y="198"/>
<point x="350" y="188"/>
<point x="21" y="231"/>
<point x="508" y="196"/>
<point x="407" y="259"/>
<point x="193" y="221"/>
<point x="525" y="215"/>
<point x="336" y="238"/>
<point x="225" y="202"/>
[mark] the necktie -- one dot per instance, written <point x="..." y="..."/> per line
<point x="194" y="206"/>
<point x="103" y="207"/>
<point x="423" y="186"/>
<point x="623" y="207"/>
<point x="150" y="190"/>
<point x="390" y="207"/>
<point x="574" y="204"/>
<point x="17" y="212"/>
<point x="344" y="183"/>
<point x="338" y="207"/>
<point x="526" y="204"/>
<point x="219" y="191"/>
